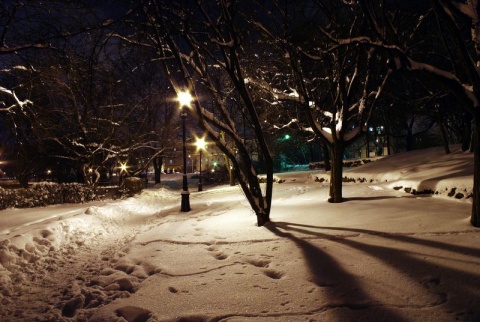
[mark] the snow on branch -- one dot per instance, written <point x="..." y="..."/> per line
<point x="12" y="49"/>
<point x="406" y="62"/>
<point x="292" y="121"/>
<point x="276" y="93"/>
<point x="17" y="102"/>
<point x="210" y="118"/>
<point x="468" y="89"/>
<point x="131" y="41"/>
<point x="230" y="43"/>
<point x="351" y="134"/>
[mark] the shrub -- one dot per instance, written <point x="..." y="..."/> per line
<point x="42" y="194"/>
<point x="132" y="185"/>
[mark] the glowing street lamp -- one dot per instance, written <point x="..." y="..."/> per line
<point x="123" y="167"/>
<point x="201" y="144"/>
<point x="123" y="172"/>
<point x="184" y="98"/>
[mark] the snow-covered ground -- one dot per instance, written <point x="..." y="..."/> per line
<point x="382" y="255"/>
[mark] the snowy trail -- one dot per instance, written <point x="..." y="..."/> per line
<point x="304" y="267"/>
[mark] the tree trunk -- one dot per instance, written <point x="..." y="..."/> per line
<point x="389" y="152"/>
<point x="443" y="132"/>
<point x="475" y="216"/>
<point x="466" y="131"/>
<point x="409" y="140"/>
<point x="262" y="219"/>
<point x="269" y="186"/>
<point x="23" y="181"/>
<point x="367" y="148"/>
<point x="336" y="172"/>
<point x="311" y="153"/>
<point x="157" y="168"/>
<point x="231" y="178"/>
<point x="251" y="188"/>
<point x="326" y="157"/>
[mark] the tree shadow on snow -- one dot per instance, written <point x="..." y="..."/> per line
<point x="343" y="289"/>
<point x="413" y="265"/>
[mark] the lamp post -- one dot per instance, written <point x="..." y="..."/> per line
<point x="200" y="146"/>
<point x="123" y="172"/>
<point x="184" y="98"/>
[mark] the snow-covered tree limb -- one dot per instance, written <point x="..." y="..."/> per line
<point x="17" y="103"/>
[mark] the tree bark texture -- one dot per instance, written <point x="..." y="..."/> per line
<point x="336" y="173"/>
<point x="475" y="216"/>
<point x="157" y="166"/>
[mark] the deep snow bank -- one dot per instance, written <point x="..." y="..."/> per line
<point x="426" y="171"/>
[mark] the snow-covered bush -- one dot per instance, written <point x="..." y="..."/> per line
<point x="7" y="198"/>
<point x="42" y="194"/>
<point x="76" y="193"/>
<point x="133" y="185"/>
<point x="346" y="163"/>
<point x="276" y="179"/>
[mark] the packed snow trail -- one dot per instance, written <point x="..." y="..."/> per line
<point x="316" y="261"/>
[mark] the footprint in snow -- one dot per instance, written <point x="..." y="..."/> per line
<point x="259" y="262"/>
<point x="134" y="313"/>
<point x="273" y="274"/>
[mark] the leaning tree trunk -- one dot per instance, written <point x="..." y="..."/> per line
<point x="248" y="180"/>
<point x="475" y="216"/>
<point x="336" y="151"/>
<point x="228" y="165"/>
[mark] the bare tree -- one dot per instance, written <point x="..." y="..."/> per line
<point x="197" y="44"/>
<point x="336" y="84"/>
<point x="97" y="108"/>
<point x="27" y="28"/>
<point x="452" y="29"/>
<point x="29" y="32"/>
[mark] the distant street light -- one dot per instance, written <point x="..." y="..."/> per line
<point x="123" y="167"/>
<point x="123" y="172"/>
<point x="184" y="98"/>
<point x="200" y="146"/>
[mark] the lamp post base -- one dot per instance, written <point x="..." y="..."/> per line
<point x="185" y="206"/>
<point x="200" y="188"/>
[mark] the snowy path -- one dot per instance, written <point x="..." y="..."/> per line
<point x="381" y="255"/>
<point x="215" y="266"/>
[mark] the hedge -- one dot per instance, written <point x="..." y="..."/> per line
<point x="47" y="193"/>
